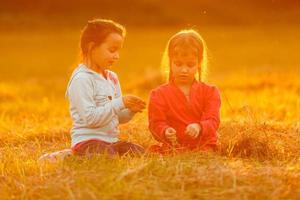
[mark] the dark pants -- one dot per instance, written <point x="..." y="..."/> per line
<point x="95" y="146"/>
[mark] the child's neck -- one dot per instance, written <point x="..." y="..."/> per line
<point x="185" y="88"/>
<point x="95" y="68"/>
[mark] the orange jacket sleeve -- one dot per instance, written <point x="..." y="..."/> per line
<point x="157" y="116"/>
<point x="210" y="119"/>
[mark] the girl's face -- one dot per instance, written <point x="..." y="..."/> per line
<point x="107" y="53"/>
<point x="184" y="66"/>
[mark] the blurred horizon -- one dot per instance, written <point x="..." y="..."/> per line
<point x="20" y="14"/>
<point x="40" y="39"/>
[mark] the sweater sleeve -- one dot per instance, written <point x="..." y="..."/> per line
<point x="210" y="119"/>
<point x="81" y="97"/>
<point x="124" y="115"/>
<point x="157" y="116"/>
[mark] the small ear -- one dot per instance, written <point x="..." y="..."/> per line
<point x="91" y="46"/>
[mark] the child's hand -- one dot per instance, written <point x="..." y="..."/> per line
<point x="170" y="134"/>
<point x="193" y="130"/>
<point x="135" y="104"/>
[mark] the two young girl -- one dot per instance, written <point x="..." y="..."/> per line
<point x="183" y="113"/>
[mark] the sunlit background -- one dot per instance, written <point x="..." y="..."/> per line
<point x="252" y="45"/>
<point x="40" y="38"/>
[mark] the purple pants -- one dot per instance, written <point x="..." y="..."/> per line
<point x="95" y="146"/>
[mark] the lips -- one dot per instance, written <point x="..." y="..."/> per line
<point x="111" y="62"/>
<point x="183" y="76"/>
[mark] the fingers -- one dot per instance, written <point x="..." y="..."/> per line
<point x="136" y="100"/>
<point x="135" y="107"/>
<point x="135" y="104"/>
<point x="172" y="139"/>
<point x="140" y="102"/>
<point x="171" y="135"/>
<point x="170" y="131"/>
<point x="192" y="132"/>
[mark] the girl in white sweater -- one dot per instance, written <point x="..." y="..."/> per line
<point x="96" y="102"/>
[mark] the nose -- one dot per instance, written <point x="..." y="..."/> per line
<point x="116" y="56"/>
<point x="184" y="69"/>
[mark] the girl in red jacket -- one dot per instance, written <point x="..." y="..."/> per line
<point x="184" y="114"/>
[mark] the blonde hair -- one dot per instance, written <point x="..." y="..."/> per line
<point x="185" y="38"/>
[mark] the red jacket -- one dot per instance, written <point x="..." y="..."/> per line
<point x="168" y="107"/>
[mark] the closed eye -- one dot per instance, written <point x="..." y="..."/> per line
<point x="178" y="63"/>
<point x="113" y="49"/>
<point x="191" y="64"/>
